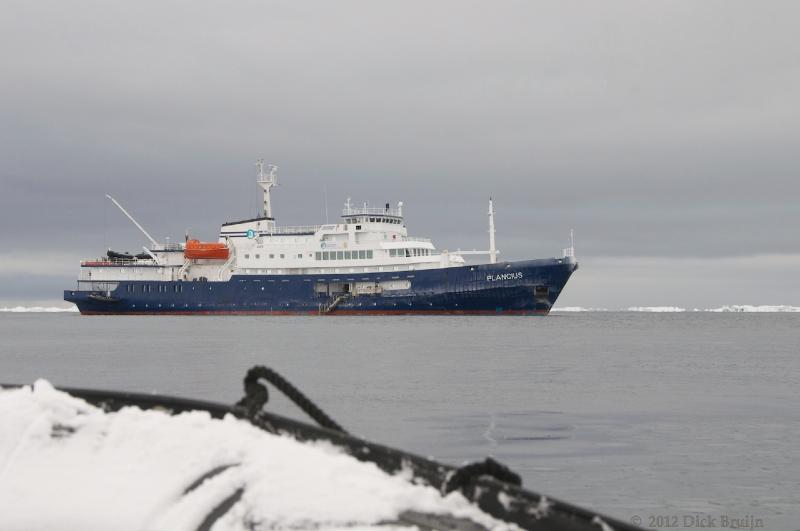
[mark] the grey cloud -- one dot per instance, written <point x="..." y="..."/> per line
<point x="655" y="129"/>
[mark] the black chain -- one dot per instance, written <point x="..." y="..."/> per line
<point x="256" y="396"/>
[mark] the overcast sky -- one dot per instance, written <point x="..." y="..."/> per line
<point x="667" y="134"/>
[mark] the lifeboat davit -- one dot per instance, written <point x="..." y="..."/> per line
<point x="197" y="250"/>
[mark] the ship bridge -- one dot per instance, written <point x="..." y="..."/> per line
<point x="366" y="214"/>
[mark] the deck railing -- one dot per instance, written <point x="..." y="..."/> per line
<point x="372" y="211"/>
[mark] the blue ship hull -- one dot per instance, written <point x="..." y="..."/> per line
<point x="525" y="287"/>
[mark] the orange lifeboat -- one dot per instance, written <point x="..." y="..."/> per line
<point x="197" y="250"/>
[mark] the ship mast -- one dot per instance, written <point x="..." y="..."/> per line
<point x="267" y="181"/>
<point x="492" y="247"/>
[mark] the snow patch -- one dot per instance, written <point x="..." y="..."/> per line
<point x="37" y="309"/>
<point x="65" y="464"/>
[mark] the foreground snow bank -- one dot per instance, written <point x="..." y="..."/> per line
<point x="65" y="464"/>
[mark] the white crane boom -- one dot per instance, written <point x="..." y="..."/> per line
<point x="155" y="243"/>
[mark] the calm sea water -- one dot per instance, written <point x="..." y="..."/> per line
<point x="636" y="415"/>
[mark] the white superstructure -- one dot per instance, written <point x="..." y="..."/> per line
<point x="366" y="239"/>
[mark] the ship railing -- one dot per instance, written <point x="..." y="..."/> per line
<point x="97" y="285"/>
<point x="116" y="261"/>
<point x="415" y="239"/>
<point x="369" y="211"/>
<point x="569" y="252"/>
<point x="168" y="247"/>
<point x="298" y="229"/>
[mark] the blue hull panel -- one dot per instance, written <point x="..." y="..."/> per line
<point x="526" y="287"/>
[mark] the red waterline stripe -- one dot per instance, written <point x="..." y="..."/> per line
<point x="332" y="314"/>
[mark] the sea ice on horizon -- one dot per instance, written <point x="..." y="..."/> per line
<point x="737" y="308"/>
<point x="37" y="309"/>
<point x="746" y="308"/>
<point x="656" y="309"/>
<point x="578" y="309"/>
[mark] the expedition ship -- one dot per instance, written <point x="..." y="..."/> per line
<point x="364" y="264"/>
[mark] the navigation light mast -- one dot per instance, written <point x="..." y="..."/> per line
<point x="267" y="181"/>
<point x="492" y="247"/>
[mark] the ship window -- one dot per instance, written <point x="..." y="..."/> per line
<point x="272" y="256"/>
<point x="282" y="255"/>
<point x="325" y="255"/>
<point x="362" y="254"/>
<point x="347" y="255"/>
<point x="391" y="252"/>
<point x="318" y="256"/>
<point x="299" y="255"/>
<point x="358" y="227"/>
<point x="369" y="253"/>
<point x="247" y="256"/>
<point x="258" y="256"/>
<point x="340" y="255"/>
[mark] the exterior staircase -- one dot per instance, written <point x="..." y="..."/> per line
<point x="331" y="306"/>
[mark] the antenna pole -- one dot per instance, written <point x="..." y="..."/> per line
<point x="267" y="181"/>
<point x="155" y="243"/>
<point x="492" y="247"/>
<point x="325" y="193"/>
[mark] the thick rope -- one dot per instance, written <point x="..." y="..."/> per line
<point x="256" y="396"/>
<point x="489" y="467"/>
